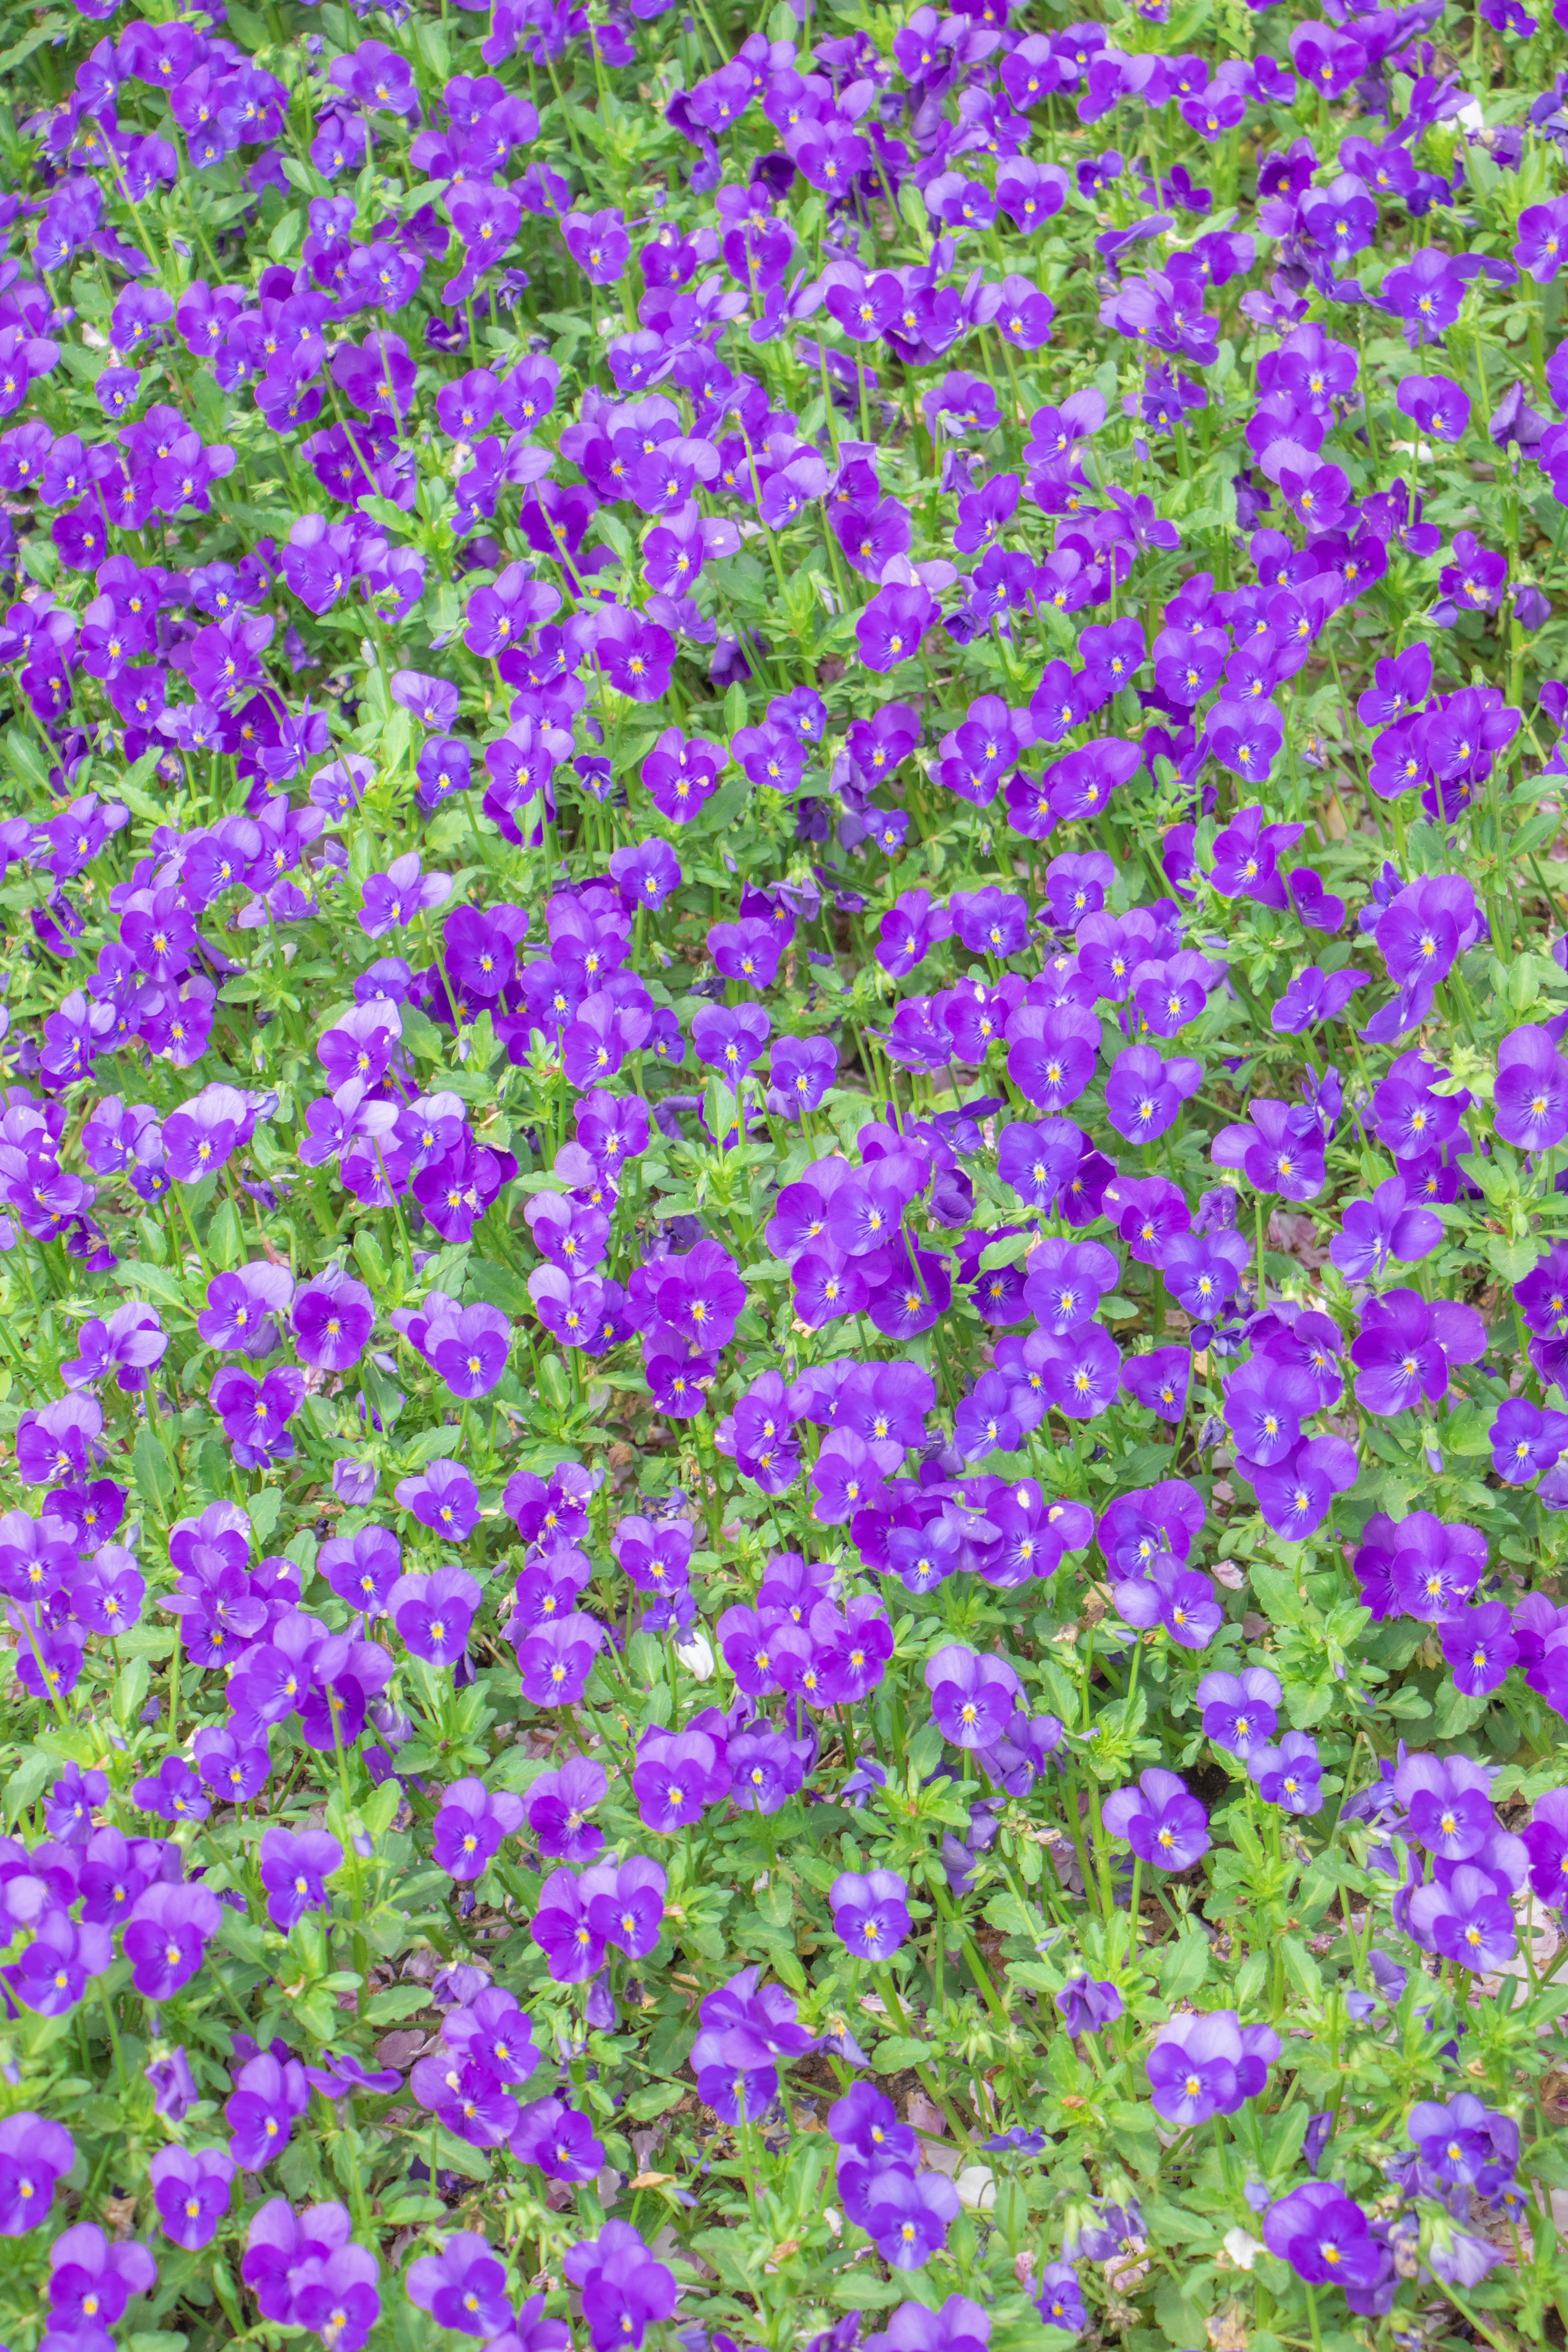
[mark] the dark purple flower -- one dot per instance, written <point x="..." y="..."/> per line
<point x="469" y="1827"/>
<point x="1088" y="2006"/>
<point x="1161" y="1823"/>
<point x="260" y="2114"/>
<point x="870" y="1913"/>
<point x="193" y="2193"/>
<point x="294" y="1870"/>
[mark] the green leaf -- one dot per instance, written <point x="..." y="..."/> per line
<point x="1185" y="1965"/>
<point x="1405" y="1705"/>
<point x="154" y="1474"/>
<point x="1453" y="1714"/>
<point x="265" y="1508"/>
<point x="26" y="1784"/>
<point x="396" y="2003"/>
<point x="861" y="2289"/>
<point x="498" y="1286"/>
<point x="1468" y="1430"/>
<point x="654" y="2099"/>
<point x="243" y="1937"/>
<point x="129" y="1692"/>
<point x="898" y="2050"/>
<point x="134" y="1275"/>
<point x="455" y="2155"/>
<point x="12" y="57"/>
<point x="412" y="2211"/>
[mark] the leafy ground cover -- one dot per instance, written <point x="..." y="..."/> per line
<point x="784" y="1270"/>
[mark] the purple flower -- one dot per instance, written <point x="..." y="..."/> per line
<point x="1434" y="404"/>
<point x="339" y="2075"/>
<point x="800" y="1071"/>
<point x="625" y="1905"/>
<point x="1204" y="2066"/>
<point x="559" y="2141"/>
<point x="1290" y="1775"/>
<point x="1406" y="1348"/>
<point x="241" y="1308"/>
<point x="1481" y="1647"/>
<point x="1279" y="1150"/>
<point x="34" y="2155"/>
<point x="1381" y="1228"/>
<point x="1525" y="1439"/>
<point x="463" y="2287"/>
<point x="625" y="2290"/>
<point x="907" y="2216"/>
<point x="1240" y="1711"/>
<point x="256" y="1413"/>
<point x="1159" y="1381"/>
<point x="1051" y="1053"/>
<point x="1532" y="1090"/>
<point x="890" y="628"/>
<point x="130" y="1344"/>
<point x="730" y="1038"/>
<point x="972" y="1695"/>
<point x="870" y="1913"/>
<point x="678" y="1775"/>
<point x="68" y="1812"/>
<point x="174" y="1793"/>
<point x="470" y="1826"/>
<point x="1144" y="1093"/>
<point x="1295" y="1495"/>
<point x="1322" y="2233"/>
<point x="166" y="1936"/>
<point x="1081" y="1372"/>
<point x="1060" y="2299"/>
<point x="91" y="2281"/>
<point x="1314" y="997"/>
<point x="573" y="1948"/>
<point x="193" y="2192"/>
<point x="199" y="1137"/>
<point x="558" y="1805"/>
<point x="1546" y="1840"/>
<point x="1266" y="1403"/>
<point x="1465" y="1920"/>
<point x="174" y="2091"/>
<point x="444" y="1499"/>
<point x="1180" y="1599"/>
<point x="433" y="1614"/>
<point x="333" y="1317"/>
<point x="294" y="1870"/>
<point x="1160" y="1823"/>
<point x="1088" y="2006"/>
<point x="260" y="2113"/>
<point x="339" y="2298"/>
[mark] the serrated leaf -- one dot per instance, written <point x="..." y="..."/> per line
<point x="394" y="2002"/>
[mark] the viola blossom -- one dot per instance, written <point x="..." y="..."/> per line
<point x="973" y="1698"/>
<point x="1325" y="2237"/>
<point x="1164" y="1825"/>
<point x="1178" y="1598"/>
<point x="193" y="2192"/>
<point x="1088" y="2006"/>
<point x="1531" y="1091"/>
<point x="1288" y="1775"/>
<point x="1407" y="1348"/>
<point x="469" y="1825"/>
<point x="1240" y="1712"/>
<point x="1208" y="2064"/>
<point x="1480" y="1647"/>
<point x="1372" y="1232"/>
<point x="1526" y="1439"/>
<point x="870" y="1913"/>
